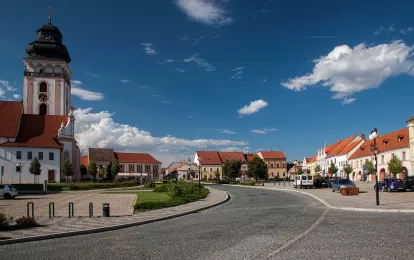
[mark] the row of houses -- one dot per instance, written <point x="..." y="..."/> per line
<point x="356" y="150"/>
<point x="208" y="163"/>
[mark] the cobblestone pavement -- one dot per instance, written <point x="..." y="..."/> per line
<point x="62" y="224"/>
<point x="366" y="199"/>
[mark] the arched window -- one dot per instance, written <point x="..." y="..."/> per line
<point x="42" y="109"/>
<point x="43" y="87"/>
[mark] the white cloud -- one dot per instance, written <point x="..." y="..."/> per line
<point x="83" y="93"/>
<point x="91" y="74"/>
<point x="199" y="39"/>
<point x="348" y="71"/>
<point x="7" y="86"/>
<point x="17" y="96"/>
<point x="125" y="80"/>
<point x="378" y="31"/>
<point x="253" y="107"/>
<point x="155" y="95"/>
<point x="180" y="70"/>
<point x="407" y="31"/>
<point x="263" y="131"/>
<point x="200" y="62"/>
<point x="149" y="50"/>
<point x="209" y="12"/>
<point x="391" y="28"/>
<point x="2" y="92"/>
<point x="226" y="131"/>
<point x="100" y="130"/>
<point x="237" y="73"/>
<point x="348" y="101"/>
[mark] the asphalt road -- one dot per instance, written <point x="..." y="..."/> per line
<point x="254" y="224"/>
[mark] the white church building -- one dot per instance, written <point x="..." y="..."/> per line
<point x="42" y="124"/>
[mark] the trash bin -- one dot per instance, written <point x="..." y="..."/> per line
<point x="105" y="210"/>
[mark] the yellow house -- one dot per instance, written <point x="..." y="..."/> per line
<point x="209" y="163"/>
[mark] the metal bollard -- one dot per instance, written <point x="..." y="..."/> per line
<point x="28" y="206"/>
<point x="105" y="210"/>
<point x="70" y="209"/>
<point x="51" y="210"/>
<point x="284" y="182"/>
<point x="90" y="209"/>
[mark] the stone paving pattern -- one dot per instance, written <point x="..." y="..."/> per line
<point x="65" y="224"/>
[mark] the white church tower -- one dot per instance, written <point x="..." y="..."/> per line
<point x="47" y="89"/>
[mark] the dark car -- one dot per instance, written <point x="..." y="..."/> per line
<point x="409" y="182"/>
<point x="320" y="183"/>
<point x="391" y="184"/>
<point x="338" y="183"/>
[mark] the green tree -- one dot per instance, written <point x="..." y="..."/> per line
<point x="109" y="171"/>
<point x="300" y="171"/>
<point x="348" y="170"/>
<point x="231" y="169"/>
<point x="217" y="174"/>
<point x="115" y="169"/>
<point x="332" y="169"/>
<point x="92" y="169"/>
<point x="370" y="167"/>
<point x="67" y="170"/>
<point x="308" y="171"/>
<point x="317" y="169"/>
<point x="257" y="169"/>
<point x="395" y="165"/>
<point x="35" y="168"/>
<point x="83" y="170"/>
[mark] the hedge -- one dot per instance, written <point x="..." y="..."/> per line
<point x="28" y="187"/>
<point x="247" y="183"/>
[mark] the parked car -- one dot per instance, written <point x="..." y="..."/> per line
<point x="320" y="183"/>
<point x="391" y="184"/>
<point x="303" y="181"/>
<point x="339" y="183"/>
<point x="409" y="182"/>
<point x="8" y="191"/>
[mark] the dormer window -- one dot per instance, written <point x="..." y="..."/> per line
<point x="400" y="138"/>
<point x="385" y="141"/>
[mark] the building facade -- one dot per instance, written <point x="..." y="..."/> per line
<point x="276" y="163"/>
<point x="410" y="126"/>
<point x="209" y="162"/>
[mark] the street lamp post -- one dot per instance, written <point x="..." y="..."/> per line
<point x="20" y="165"/>
<point x="373" y="137"/>
<point x="199" y="179"/>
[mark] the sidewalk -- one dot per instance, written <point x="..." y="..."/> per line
<point x="365" y="201"/>
<point x="64" y="226"/>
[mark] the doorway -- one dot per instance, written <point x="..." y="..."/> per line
<point x="51" y="176"/>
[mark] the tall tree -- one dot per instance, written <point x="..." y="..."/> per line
<point x="348" y="170"/>
<point x="232" y="169"/>
<point x="257" y="169"/>
<point x="332" y="169"/>
<point x="92" y="169"/>
<point x="317" y="169"/>
<point x="370" y="167"/>
<point x="217" y="174"/>
<point x="395" y="165"/>
<point x="308" y="171"/>
<point x="35" y="168"/>
<point x="67" y="169"/>
<point x="83" y="170"/>
<point x="300" y="171"/>
<point x="109" y="171"/>
<point x="115" y="167"/>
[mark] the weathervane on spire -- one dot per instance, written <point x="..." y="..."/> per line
<point x="50" y="15"/>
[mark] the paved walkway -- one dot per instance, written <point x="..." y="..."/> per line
<point x="81" y="224"/>
<point x="365" y="200"/>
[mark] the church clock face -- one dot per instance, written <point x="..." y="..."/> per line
<point x="42" y="97"/>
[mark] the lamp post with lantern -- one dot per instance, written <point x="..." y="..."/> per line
<point x="19" y="167"/>
<point x="374" y="151"/>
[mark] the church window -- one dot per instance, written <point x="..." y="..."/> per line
<point x="43" y="87"/>
<point x="42" y="109"/>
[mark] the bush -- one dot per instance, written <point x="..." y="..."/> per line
<point x="5" y="221"/>
<point x="26" y="222"/>
<point x="148" y="184"/>
<point x="91" y="186"/>
<point x="247" y="183"/>
<point x="233" y="182"/>
<point x="160" y="188"/>
<point x="28" y="187"/>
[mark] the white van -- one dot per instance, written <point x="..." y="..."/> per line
<point x="303" y="180"/>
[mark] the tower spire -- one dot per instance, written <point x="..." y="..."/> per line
<point x="50" y="15"/>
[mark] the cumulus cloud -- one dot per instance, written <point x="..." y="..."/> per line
<point x="98" y="129"/>
<point x="148" y="48"/>
<point x="378" y="31"/>
<point x="253" y="107"/>
<point x="407" y="30"/>
<point x="237" y="73"/>
<point x="226" y="131"/>
<point x="17" y="96"/>
<point x="180" y="70"/>
<point x="347" y="101"/>
<point x="2" y="92"/>
<point x="263" y="131"/>
<point x="6" y="86"/>
<point x="83" y="93"/>
<point x="125" y="80"/>
<point x="347" y="71"/>
<point x="200" y="62"/>
<point x="210" y="12"/>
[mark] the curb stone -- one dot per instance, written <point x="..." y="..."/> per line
<point x="329" y="205"/>
<point x="110" y="228"/>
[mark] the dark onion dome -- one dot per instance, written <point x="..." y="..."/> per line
<point x="48" y="44"/>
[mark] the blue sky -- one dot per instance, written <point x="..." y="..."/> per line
<point x="317" y="70"/>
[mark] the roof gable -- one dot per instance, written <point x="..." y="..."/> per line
<point x="350" y="147"/>
<point x="209" y="158"/>
<point x="10" y="112"/>
<point x="101" y="154"/>
<point x="136" y="158"/>
<point x="229" y="156"/>
<point x="273" y="155"/>
<point x="339" y="146"/>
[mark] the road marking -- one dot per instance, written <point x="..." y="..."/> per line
<point x="289" y="243"/>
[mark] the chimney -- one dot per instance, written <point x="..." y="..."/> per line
<point x="363" y="136"/>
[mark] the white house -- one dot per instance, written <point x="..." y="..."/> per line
<point x="393" y="143"/>
<point x="411" y="135"/>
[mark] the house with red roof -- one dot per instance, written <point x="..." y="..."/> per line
<point x="410" y="123"/>
<point x="210" y="163"/>
<point x="276" y="163"/>
<point x="42" y="124"/>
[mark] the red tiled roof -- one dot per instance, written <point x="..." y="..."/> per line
<point x="339" y="146"/>
<point x="229" y="156"/>
<point x="101" y="154"/>
<point x="349" y="147"/>
<point x="313" y="159"/>
<point x="136" y="158"/>
<point x="84" y="160"/>
<point x="393" y="143"/>
<point x="163" y="170"/>
<point x="249" y="156"/>
<point x="209" y="158"/>
<point x="10" y="112"/>
<point x="38" y="131"/>
<point x="273" y="155"/>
